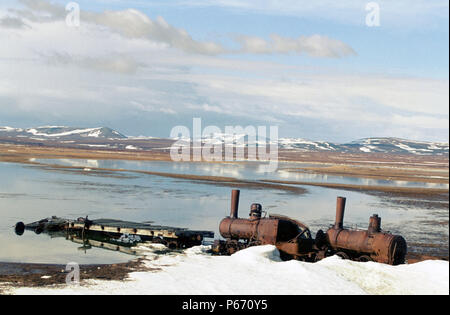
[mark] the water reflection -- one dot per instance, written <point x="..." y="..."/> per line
<point x="32" y="193"/>
<point x="246" y="170"/>
<point x="91" y="241"/>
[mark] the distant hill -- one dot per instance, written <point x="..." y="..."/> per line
<point x="61" y="132"/>
<point x="104" y="137"/>
<point x="367" y="145"/>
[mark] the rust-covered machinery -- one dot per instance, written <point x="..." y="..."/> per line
<point x="294" y="240"/>
<point x="104" y="231"/>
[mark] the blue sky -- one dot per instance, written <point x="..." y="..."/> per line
<point x="315" y="69"/>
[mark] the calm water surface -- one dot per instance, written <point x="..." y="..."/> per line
<point x="252" y="171"/>
<point x="30" y="193"/>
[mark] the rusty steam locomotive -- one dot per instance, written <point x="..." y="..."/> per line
<point x="294" y="239"/>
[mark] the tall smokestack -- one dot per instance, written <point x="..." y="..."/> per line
<point x="234" y="203"/>
<point x="340" y="209"/>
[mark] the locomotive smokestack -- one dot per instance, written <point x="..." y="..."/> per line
<point x="234" y="203"/>
<point x="340" y="209"/>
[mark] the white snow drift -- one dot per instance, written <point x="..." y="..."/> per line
<point x="259" y="270"/>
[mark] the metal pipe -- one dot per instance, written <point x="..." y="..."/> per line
<point x="234" y="203"/>
<point x="374" y="224"/>
<point x="340" y="209"/>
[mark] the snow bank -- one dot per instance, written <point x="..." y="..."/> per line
<point x="259" y="270"/>
<point x="8" y="129"/>
<point x="92" y="132"/>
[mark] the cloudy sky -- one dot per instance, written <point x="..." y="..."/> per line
<point x="313" y="68"/>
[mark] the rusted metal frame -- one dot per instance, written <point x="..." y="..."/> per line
<point x="363" y="245"/>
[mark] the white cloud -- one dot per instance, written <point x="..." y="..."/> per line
<point x="314" y="45"/>
<point x="151" y="108"/>
<point x="134" y="24"/>
<point x="115" y="63"/>
<point x="129" y="23"/>
<point x="421" y="121"/>
<point x="12" y="22"/>
<point x="117" y="70"/>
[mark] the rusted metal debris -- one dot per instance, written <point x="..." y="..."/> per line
<point x="116" y="231"/>
<point x="292" y="238"/>
<point x="294" y="241"/>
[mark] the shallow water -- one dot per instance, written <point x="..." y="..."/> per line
<point x="30" y="193"/>
<point x="251" y="171"/>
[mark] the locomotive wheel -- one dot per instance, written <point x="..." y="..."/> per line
<point x="322" y="254"/>
<point x="364" y="258"/>
<point x="343" y="255"/>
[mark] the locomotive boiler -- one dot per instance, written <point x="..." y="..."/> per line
<point x="293" y="239"/>
<point x="365" y="245"/>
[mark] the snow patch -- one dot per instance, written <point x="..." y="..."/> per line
<point x="7" y="129"/>
<point x="62" y="134"/>
<point x="95" y="145"/>
<point x="259" y="270"/>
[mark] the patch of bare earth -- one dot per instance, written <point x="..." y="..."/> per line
<point x="38" y="275"/>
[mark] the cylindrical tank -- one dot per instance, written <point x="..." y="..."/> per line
<point x="264" y="230"/>
<point x="381" y="247"/>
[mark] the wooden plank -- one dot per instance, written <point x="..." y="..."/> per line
<point x="126" y="230"/>
<point x="119" y="227"/>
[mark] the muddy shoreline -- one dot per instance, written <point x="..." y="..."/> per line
<point x="38" y="275"/>
<point x="379" y="173"/>
<point x="22" y="153"/>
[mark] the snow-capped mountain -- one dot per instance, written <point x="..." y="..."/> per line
<point x="61" y="132"/>
<point x="307" y="145"/>
<point x="240" y="140"/>
<point x="104" y="137"/>
<point x="368" y="145"/>
<point x="395" y="145"/>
